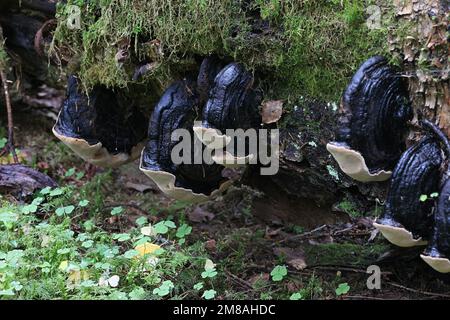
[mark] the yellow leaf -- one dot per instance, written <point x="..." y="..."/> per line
<point x="76" y="276"/>
<point x="146" y="248"/>
<point x="63" y="265"/>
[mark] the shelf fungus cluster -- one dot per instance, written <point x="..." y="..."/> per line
<point x="437" y="254"/>
<point x="229" y="103"/>
<point x="372" y="126"/>
<point x="405" y="221"/>
<point x="410" y="218"/>
<point x="232" y="104"/>
<point x="103" y="127"/>
<point x="177" y="109"/>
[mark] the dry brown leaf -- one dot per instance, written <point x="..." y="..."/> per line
<point x="271" y="111"/>
<point x="294" y="257"/>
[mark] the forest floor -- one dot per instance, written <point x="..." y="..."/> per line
<point x="111" y="234"/>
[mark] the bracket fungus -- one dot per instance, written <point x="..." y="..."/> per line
<point x="232" y="104"/>
<point x="103" y="128"/>
<point x="437" y="254"/>
<point x="373" y="119"/>
<point x="406" y="219"/>
<point x="188" y="181"/>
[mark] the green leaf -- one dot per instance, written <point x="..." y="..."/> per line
<point x="198" y="286"/>
<point x="130" y="254"/>
<point x="278" y="273"/>
<point x="434" y="195"/>
<point x="343" y="288"/>
<point x="116" y="211"/>
<point x="69" y="172"/>
<point x="423" y="198"/>
<point x="83" y="203"/>
<point x="161" y="228"/>
<point x="60" y="211"/>
<point x="63" y="251"/>
<point x="210" y="273"/>
<point x="137" y="294"/>
<point x="164" y="289"/>
<point x="121" y="237"/>
<point x="45" y="191"/>
<point x="79" y="175"/>
<point x="56" y="192"/>
<point x="183" y="231"/>
<point x="38" y="201"/>
<point x="31" y="208"/>
<point x="8" y="292"/>
<point x="170" y="224"/>
<point x="141" y="221"/>
<point x="87" y="244"/>
<point x="209" y="294"/>
<point x="296" y="296"/>
<point x="69" y="209"/>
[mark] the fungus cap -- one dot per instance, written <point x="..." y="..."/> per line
<point x="372" y="122"/>
<point x="441" y="265"/>
<point x="96" y="153"/>
<point x="353" y="164"/>
<point x="211" y="138"/>
<point x="399" y="236"/>
<point x="227" y="160"/>
<point x="166" y="183"/>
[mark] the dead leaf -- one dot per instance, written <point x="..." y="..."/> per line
<point x="200" y="215"/>
<point x="271" y="111"/>
<point x="294" y="257"/>
<point x="210" y="245"/>
<point x="146" y="248"/>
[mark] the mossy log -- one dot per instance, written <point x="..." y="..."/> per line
<point x="302" y="53"/>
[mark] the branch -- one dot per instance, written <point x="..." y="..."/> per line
<point x="10" y="145"/>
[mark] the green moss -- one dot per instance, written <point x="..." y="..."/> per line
<point x="343" y="254"/>
<point x="350" y="208"/>
<point x="302" y="47"/>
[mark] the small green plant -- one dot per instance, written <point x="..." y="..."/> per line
<point x="164" y="289"/>
<point x="116" y="211"/>
<point x="296" y="296"/>
<point x="162" y="227"/>
<point x="342" y="289"/>
<point x="425" y="197"/>
<point x="278" y="273"/>
<point x="209" y="294"/>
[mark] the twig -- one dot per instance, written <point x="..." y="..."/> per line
<point x="433" y="294"/>
<point x="303" y="235"/>
<point x="239" y="280"/>
<point x="10" y="145"/>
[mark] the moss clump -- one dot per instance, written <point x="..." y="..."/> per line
<point x="343" y="254"/>
<point x="297" y="47"/>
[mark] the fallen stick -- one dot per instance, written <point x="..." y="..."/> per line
<point x="10" y="145"/>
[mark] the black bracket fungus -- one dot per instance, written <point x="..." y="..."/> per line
<point x="374" y="114"/>
<point x="437" y="254"/>
<point x="186" y="181"/>
<point x="103" y="128"/>
<point x="406" y="220"/>
<point x="232" y="104"/>
<point x="209" y="69"/>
